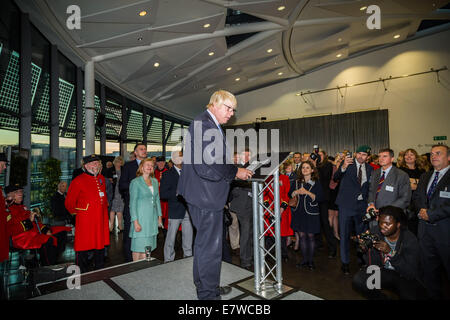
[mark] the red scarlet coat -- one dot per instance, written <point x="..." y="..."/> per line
<point x="86" y="198"/>
<point x="164" y="203"/>
<point x="4" y="238"/>
<point x="285" y="225"/>
<point x="32" y="238"/>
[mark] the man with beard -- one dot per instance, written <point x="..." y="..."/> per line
<point x="87" y="200"/>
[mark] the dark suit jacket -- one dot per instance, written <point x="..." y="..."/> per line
<point x="168" y="191"/>
<point x="240" y="202"/>
<point x="438" y="207"/>
<point x="77" y="172"/>
<point x="205" y="184"/>
<point x="325" y="175"/>
<point x="128" y="173"/>
<point x="58" y="207"/>
<point x="399" y="181"/>
<point x="349" y="188"/>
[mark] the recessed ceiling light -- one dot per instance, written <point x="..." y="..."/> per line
<point x="140" y="39"/>
<point x="269" y="50"/>
<point x="363" y="8"/>
<point x="281" y="8"/>
<point x="211" y="53"/>
<point x="340" y="39"/>
<point x="156" y="64"/>
<point x="339" y="55"/>
<point x="297" y="94"/>
<point x="280" y="73"/>
<point x="143" y="13"/>
<point x="396" y="36"/>
<point x="229" y="68"/>
<point x="207" y="25"/>
<point x="237" y="79"/>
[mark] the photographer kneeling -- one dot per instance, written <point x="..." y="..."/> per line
<point x="395" y="250"/>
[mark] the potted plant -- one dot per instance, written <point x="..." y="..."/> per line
<point x="51" y="174"/>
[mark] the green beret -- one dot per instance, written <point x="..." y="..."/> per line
<point x="364" y="148"/>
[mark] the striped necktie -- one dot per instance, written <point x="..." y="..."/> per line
<point x="379" y="185"/>
<point x="433" y="185"/>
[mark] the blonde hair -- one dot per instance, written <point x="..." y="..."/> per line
<point x="220" y="96"/>
<point x="118" y="159"/>
<point x="140" y="170"/>
<point x="286" y="164"/>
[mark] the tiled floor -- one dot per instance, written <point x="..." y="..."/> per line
<point x="326" y="282"/>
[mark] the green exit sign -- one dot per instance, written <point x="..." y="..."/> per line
<point x="438" y="138"/>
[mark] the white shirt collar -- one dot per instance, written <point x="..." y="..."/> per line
<point x="386" y="172"/>
<point x="214" y="118"/>
<point x="178" y="169"/>
<point x="442" y="171"/>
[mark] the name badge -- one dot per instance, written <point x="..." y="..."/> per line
<point x="444" y="194"/>
<point x="101" y="194"/>
<point x="390" y="188"/>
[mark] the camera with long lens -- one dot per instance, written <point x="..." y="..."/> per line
<point x="370" y="215"/>
<point x="367" y="239"/>
<point x="349" y="154"/>
<point x="315" y="155"/>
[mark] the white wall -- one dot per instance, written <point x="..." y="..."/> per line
<point x="419" y="106"/>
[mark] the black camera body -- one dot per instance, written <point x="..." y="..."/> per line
<point x="367" y="239"/>
<point x="314" y="156"/>
<point x="370" y="215"/>
<point x="349" y="154"/>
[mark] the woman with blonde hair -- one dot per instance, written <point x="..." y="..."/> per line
<point x="117" y="204"/>
<point x="145" y="209"/>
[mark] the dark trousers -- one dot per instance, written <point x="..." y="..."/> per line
<point x="350" y="219"/>
<point x="207" y="251"/>
<point x="126" y="233"/>
<point x="82" y="259"/>
<point x="434" y="257"/>
<point x="391" y="280"/>
<point x="226" y="248"/>
<point x="48" y="253"/>
<point x="326" y="228"/>
<point x="245" y="237"/>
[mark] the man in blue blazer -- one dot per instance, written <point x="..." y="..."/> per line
<point x="352" y="198"/>
<point x="128" y="173"/>
<point x="204" y="183"/>
<point x="432" y="198"/>
<point x="178" y="212"/>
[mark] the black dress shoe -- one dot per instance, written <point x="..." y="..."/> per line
<point x="311" y="266"/>
<point x="332" y="255"/>
<point x="345" y="268"/>
<point x="302" y="265"/>
<point x="225" y="290"/>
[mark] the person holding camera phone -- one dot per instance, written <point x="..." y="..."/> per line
<point x="395" y="250"/>
<point x="354" y="175"/>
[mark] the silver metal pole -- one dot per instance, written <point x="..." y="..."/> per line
<point x="276" y="192"/>
<point x="89" y="107"/>
<point x="256" y="233"/>
<point x="262" y="260"/>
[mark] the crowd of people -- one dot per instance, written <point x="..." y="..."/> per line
<point x="396" y="214"/>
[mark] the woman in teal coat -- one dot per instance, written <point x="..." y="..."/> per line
<point x="145" y="209"/>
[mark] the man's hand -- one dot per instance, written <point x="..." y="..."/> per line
<point x="347" y="161"/>
<point x="244" y="174"/>
<point x="371" y="206"/>
<point x="32" y="215"/>
<point x="423" y="214"/>
<point x="382" y="246"/>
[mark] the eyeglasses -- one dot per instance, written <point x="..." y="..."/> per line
<point x="230" y="109"/>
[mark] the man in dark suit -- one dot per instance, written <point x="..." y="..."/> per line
<point x="128" y="173"/>
<point x="204" y="183"/>
<point x="354" y="175"/>
<point x="241" y="204"/>
<point x="432" y="197"/>
<point x="389" y="186"/>
<point x="57" y="206"/>
<point x="178" y="213"/>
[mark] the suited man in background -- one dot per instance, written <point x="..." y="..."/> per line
<point x="389" y="186"/>
<point x="128" y="173"/>
<point x="297" y="161"/>
<point x="432" y="197"/>
<point x="354" y="174"/>
<point x="241" y="204"/>
<point x="204" y="183"/>
<point x="178" y="212"/>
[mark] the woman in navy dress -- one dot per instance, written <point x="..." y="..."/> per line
<point x="305" y="218"/>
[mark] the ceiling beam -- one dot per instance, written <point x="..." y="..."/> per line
<point x="257" y="38"/>
<point x="229" y="31"/>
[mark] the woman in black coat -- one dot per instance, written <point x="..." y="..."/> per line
<point x="305" y="217"/>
